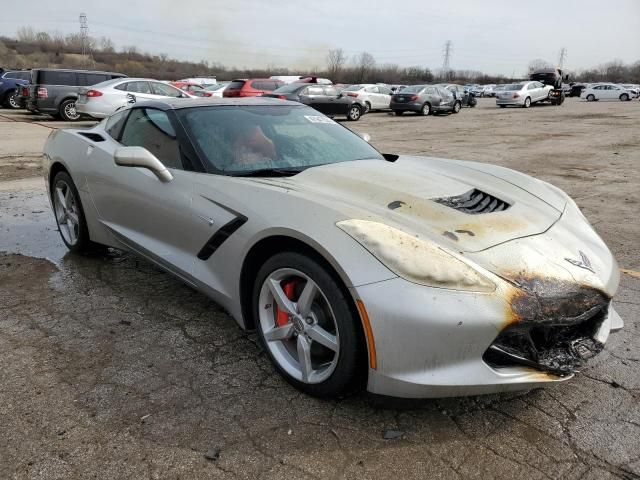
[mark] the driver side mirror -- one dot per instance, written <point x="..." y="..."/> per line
<point x="143" y="158"/>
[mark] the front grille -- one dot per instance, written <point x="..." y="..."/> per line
<point x="558" y="348"/>
<point x="474" y="202"/>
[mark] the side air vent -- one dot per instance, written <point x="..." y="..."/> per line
<point x="92" y="136"/>
<point x="474" y="202"/>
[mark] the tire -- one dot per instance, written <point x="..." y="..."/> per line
<point x="367" y="107"/>
<point x="10" y="100"/>
<point x="328" y="317"/>
<point x="68" y="111"/>
<point x="502" y="106"/>
<point x="354" y="113"/>
<point x="425" y="110"/>
<point x="398" y="112"/>
<point x="527" y="103"/>
<point x="624" y="97"/>
<point x="456" y="107"/>
<point x="591" y="97"/>
<point x="67" y="206"/>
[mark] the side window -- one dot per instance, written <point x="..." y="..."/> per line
<point x="152" y="129"/>
<point x="259" y="85"/>
<point x="315" y="91"/>
<point x="138" y="87"/>
<point x="13" y="75"/>
<point x="165" y="90"/>
<point x="331" y="91"/>
<point x="53" y="77"/>
<point x="94" y="78"/>
<point x="115" y="123"/>
<point x="371" y="89"/>
<point x="122" y="86"/>
<point x="430" y="91"/>
<point x="384" y="90"/>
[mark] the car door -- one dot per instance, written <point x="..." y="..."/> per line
<point x="162" y="90"/>
<point x="334" y="106"/>
<point x="385" y="97"/>
<point x="317" y="99"/>
<point x="152" y="217"/>
<point x="431" y="95"/>
<point x="613" y="92"/>
<point x="372" y="95"/>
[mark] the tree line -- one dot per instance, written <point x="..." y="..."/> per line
<point x="31" y="49"/>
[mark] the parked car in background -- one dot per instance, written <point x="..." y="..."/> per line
<point x="487" y="91"/>
<point x="477" y="90"/>
<point x="217" y="90"/>
<point x="497" y="89"/>
<point x="55" y="91"/>
<point x="203" y="81"/>
<point x="21" y="95"/>
<point x="194" y="89"/>
<point x="523" y="94"/>
<point x="460" y="93"/>
<point x="324" y="98"/>
<point x="374" y="97"/>
<point x="424" y="100"/>
<point x="606" y="91"/>
<point x="251" y="87"/>
<point x="311" y="79"/>
<point x="11" y="81"/>
<point x="104" y="99"/>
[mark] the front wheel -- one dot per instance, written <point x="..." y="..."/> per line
<point x="354" y="114"/>
<point x="307" y="327"/>
<point x="624" y="97"/>
<point x="11" y="101"/>
<point x="68" y="111"/>
<point x="367" y="107"/>
<point x="591" y="98"/>
<point x="69" y="214"/>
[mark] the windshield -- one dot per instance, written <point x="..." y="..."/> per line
<point x="241" y="139"/>
<point x="514" y="86"/>
<point x="290" y="88"/>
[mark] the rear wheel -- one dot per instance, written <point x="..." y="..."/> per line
<point x="457" y="107"/>
<point x="306" y="326"/>
<point x="367" y="107"/>
<point x="624" y="97"/>
<point x="398" y="112"/>
<point x="68" y="111"/>
<point x="591" y="97"/>
<point x="527" y="102"/>
<point x="69" y="214"/>
<point x="10" y="100"/>
<point x="354" y="114"/>
<point x="425" y="110"/>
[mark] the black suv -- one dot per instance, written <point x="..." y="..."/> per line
<point x="55" y="91"/>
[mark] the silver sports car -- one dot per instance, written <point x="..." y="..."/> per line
<point x="417" y="277"/>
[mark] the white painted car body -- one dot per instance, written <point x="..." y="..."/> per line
<point x="375" y="97"/>
<point x="442" y="282"/>
<point x="607" y="91"/>
<point x="523" y="93"/>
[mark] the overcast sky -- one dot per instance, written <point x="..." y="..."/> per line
<point x="494" y="36"/>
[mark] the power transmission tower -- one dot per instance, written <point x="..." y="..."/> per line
<point x="446" y="55"/>
<point x="85" y="40"/>
<point x="563" y="57"/>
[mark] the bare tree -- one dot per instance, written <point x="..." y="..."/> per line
<point x="106" y="45"/>
<point x="365" y="63"/>
<point x="335" y="61"/>
<point x="26" y="35"/>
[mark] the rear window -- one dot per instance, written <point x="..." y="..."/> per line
<point x="236" y="85"/>
<point x="514" y="86"/>
<point x="57" y="78"/>
<point x="264" y="85"/>
<point x="353" y="88"/>
<point x="413" y="89"/>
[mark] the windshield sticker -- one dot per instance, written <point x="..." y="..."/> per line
<point x="318" y="119"/>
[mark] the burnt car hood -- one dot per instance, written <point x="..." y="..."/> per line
<point x="412" y="194"/>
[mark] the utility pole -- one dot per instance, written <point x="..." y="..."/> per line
<point x="446" y="59"/>
<point x="85" y="40"/>
<point x="563" y="57"/>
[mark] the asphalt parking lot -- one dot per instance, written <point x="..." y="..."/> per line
<point x="110" y="368"/>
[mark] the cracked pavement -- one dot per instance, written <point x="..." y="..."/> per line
<point x="111" y="368"/>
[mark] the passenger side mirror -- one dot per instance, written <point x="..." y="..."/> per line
<point x="143" y="158"/>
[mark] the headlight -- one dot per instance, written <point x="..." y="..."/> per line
<point x="415" y="260"/>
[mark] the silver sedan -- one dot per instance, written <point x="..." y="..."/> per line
<point x="414" y="277"/>
<point x="522" y="94"/>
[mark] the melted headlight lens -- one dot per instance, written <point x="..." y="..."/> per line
<point x="415" y="260"/>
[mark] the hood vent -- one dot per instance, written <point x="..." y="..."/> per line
<point x="474" y="202"/>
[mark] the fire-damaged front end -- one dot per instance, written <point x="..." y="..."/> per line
<point x="550" y="311"/>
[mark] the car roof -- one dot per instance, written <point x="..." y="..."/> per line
<point x="180" y="103"/>
<point x="79" y="70"/>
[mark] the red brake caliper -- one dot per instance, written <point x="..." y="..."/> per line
<point x="282" y="317"/>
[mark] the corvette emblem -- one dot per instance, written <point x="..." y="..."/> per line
<point x="584" y="262"/>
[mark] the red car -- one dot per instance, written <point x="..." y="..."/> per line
<point x="194" y="89"/>
<point x="251" y="88"/>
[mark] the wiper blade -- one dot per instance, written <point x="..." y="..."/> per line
<point x="267" y="172"/>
